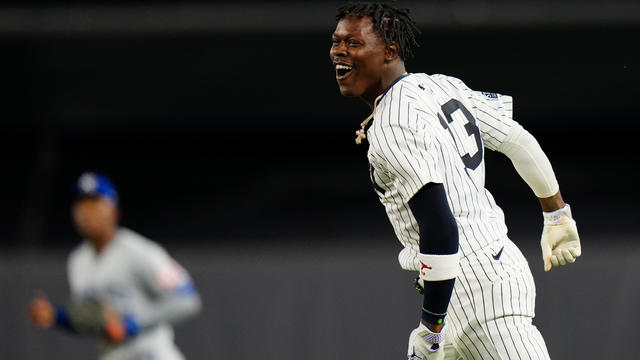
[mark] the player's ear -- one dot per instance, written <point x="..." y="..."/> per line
<point x="390" y="52"/>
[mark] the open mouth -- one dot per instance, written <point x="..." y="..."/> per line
<point x="342" y="71"/>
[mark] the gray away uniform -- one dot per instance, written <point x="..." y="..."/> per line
<point x="137" y="278"/>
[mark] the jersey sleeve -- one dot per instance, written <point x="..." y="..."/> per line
<point x="162" y="275"/>
<point x="74" y="270"/>
<point x="172" y="294"/>
<point x="410" y="157"/>
<point x="493" y="113"/>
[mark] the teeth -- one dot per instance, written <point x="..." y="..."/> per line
<point x="343" y="67"/>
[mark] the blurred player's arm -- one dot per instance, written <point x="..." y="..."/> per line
<point x="90" y="317"/>
<point x="173" y="297"/>
<point x="43" y="314"/>
<point x="173" y="294"/>
<point x="171" y="307"/>
<point x="560" y="241"/>
<point x="87" y="317"/>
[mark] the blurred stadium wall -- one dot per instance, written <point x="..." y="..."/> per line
<point x="223" y="129"/>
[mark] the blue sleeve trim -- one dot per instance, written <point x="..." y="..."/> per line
<point x="62" y="319"/>
<point x="188" y="288"/>
<point x="131" y="325"/>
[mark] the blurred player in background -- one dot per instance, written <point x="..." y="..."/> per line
<point x="426" y="158"/>
<point x="126" y="291"/>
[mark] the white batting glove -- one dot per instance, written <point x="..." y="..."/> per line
<point x="560" y="242"/>
<point x="425" y="344"/>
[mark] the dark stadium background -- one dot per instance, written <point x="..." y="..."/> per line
<point x="222" y="127"/>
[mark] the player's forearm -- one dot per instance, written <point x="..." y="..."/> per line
<point x="171" y="309"/>
<point x="438" y="251"/>
<point x="530" y="161"/>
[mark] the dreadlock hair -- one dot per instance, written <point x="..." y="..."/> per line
<point x="392" y="24"/>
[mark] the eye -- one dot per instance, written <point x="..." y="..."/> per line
<point x="334" y="42"/>
<point x="354" y="43"/>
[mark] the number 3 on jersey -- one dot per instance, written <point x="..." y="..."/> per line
<point x="470" y="157"/>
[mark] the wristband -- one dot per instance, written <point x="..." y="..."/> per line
<point x="432" y="337"/>
<point x="438" y="267"/>
<point x="62" y="318"/>
<point x="556" y="217"/>
<point x="131" y="326"/>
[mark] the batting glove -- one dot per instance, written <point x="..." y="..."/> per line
<point x="560" y="242"/>
<point x="425" y="344"/>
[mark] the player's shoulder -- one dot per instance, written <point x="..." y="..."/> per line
<point x="418" y="91"/>
<point x="421" y="89"/>
<point x="136" y="243"/>
<point x="407" y="88"/>
<point x="80" y="253"/>
<point x="432" y="82"/>
<point x="144" y="253"/>
<point x="450" y="84"/>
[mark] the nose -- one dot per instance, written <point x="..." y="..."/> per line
<point x="338" y="50"/>
<point x="83" y="220"/>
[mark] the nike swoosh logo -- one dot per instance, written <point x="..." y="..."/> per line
<point x="497" y="256"/>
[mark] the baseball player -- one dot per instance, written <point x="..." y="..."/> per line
<point x="126" y="291"/>
<point x="427" y="135"/>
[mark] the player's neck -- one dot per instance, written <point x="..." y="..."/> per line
<point x="386" y="80"/>
<point x="100" y="242"/>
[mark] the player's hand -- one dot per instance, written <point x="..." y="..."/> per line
<point x="41" y="312"/>
<point x="560" y="241"/>
<point x="91" y="317"/>
<point x="426" y="344"/>
<point x="114" y="326"/>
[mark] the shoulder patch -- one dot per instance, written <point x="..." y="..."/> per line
<point x="170" y="276"/>
<point x="490" y="95"/>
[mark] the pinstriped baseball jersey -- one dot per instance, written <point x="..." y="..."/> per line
<point x="433" y="128"/>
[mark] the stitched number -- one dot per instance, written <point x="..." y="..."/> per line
<point x="470" y="157"/>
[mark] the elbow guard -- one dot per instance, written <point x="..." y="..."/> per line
<point x="532" y="164"/>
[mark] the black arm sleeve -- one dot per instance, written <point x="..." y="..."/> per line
<point x="438" y="236"/>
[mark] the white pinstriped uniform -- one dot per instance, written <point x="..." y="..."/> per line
<point x="433" y="128"/>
